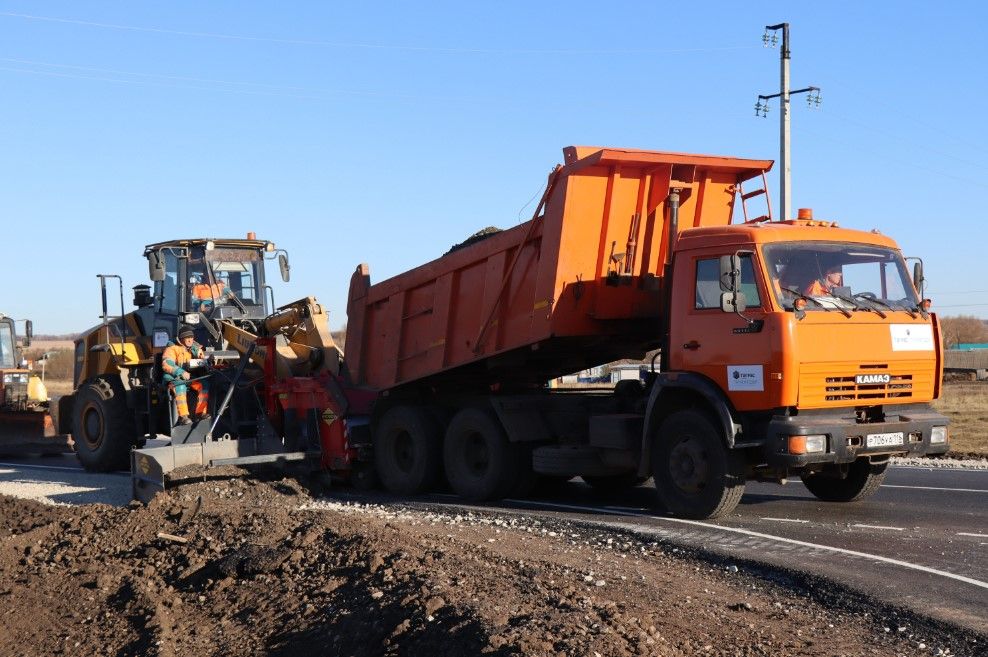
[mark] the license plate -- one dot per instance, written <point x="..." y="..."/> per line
<point x="884" y="439"/>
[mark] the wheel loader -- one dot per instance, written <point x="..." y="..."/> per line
<point x="274" y="372"/>
<point x="26" y="427"/>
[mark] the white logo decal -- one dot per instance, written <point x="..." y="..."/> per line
<point x="745" y="377"/>
<point x="911" y="337"/>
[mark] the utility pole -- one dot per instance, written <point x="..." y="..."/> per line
<point x="770" y="38"/>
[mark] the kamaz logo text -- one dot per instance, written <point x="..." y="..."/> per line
<point x="872" y="378"/>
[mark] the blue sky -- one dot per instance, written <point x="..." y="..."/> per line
<point x="384" y="135"/>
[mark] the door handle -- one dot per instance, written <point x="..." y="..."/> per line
<point x="692" y="345"/>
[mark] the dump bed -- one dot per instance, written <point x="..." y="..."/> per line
<point x="577" y="286"/>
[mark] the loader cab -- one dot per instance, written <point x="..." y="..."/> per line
<point x="205" y="280"/>
<point x="8" y="345"/>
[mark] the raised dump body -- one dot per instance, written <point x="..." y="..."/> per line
<point x="578" y="285"/>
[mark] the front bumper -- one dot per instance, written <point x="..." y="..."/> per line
<point x="847" y="439"/>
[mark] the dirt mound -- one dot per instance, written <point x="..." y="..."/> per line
<point x="254" y="566"/>
<point x="479" y="236"/>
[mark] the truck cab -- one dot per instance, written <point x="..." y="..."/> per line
<point x="809" y="349"/>
<point x="15" y="379"/>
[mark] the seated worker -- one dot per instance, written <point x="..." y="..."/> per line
<point x="792" y="280"/>
<point x="832" y="277"/>
<point x="174" y="363"/>
<point x="204" y="295"/>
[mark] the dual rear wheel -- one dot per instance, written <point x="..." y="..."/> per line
<point x="412" y="450"/>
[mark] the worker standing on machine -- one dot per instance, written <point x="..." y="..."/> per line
<point x="175" y="363"/>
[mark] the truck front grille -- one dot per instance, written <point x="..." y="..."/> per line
<point x="844" y="388"/>
<point x="823" y="385"/>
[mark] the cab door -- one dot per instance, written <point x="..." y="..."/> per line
<point x="733" y="350"/>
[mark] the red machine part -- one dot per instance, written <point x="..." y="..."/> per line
<point x="323" y="396"/>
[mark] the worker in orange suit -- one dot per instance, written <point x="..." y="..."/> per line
<point x="175" y="364"/>
<point x="832" y="277"/>
<point x="204" y="295"/>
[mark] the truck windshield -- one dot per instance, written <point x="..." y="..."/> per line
<point x="7" y="360"/>
<point x="839" y="276"/>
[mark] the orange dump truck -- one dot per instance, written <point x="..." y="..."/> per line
<point x="787" y="347"/>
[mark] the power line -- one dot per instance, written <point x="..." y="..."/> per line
<point x="839" y="138"/>
<point x="369" y="46"/>
<point x="963" y="305"/>
<point x="163" y="76"/>
<point x="304" y="93"/>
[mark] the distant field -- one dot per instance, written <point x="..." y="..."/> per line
<point x="44" y="344"/>
<point x="966" y="404"/>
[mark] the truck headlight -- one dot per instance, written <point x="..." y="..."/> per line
<point x="812" y="444"/>
<point x="938" y="436"/>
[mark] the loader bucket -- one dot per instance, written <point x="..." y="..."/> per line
<point x="30" y="432"/>
<point x="152" y="469"/>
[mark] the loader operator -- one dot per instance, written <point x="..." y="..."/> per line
<point x="205" y="296"/>
<point x="174" y="363"/>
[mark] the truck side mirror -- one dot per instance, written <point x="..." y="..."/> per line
<point x="28" y="332"/>
<point x="732" y="298"/>
<point x="156" y="266"/>
<point x="730" y="272"/>
<point x="285" y="268"/>
<point x="733" y="302"/>
<point x="918" y="281"/>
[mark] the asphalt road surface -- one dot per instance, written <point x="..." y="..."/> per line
<point x="920" y="542"/>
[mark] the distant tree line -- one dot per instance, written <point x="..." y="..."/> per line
<point x="58" y="365"/>
<point x="963" y="329"/>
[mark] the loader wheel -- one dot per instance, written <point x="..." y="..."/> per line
<point x="696" y="475"/>
<point x="862" y="480"/>
<point x="407" y="450"/>
<point x="481" y="463"/>
<point x="102" y="426"/>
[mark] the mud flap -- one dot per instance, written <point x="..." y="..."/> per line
<point x="30" y="432"/>
<point x="150" y="468"/>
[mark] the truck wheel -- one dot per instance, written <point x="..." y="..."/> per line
<point x="481" y="464"/>
<point x="102" y="426"/>
<point x="407" y="451"/>
<point x="696" y="475"/>
<point x="862" y="480"/>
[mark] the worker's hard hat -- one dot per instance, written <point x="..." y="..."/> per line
<point x="185" y="332"/>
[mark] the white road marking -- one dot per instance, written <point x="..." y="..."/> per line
<point x="58" y="468"/>
<point x="974" y="535"/>
<point x="955" y="490"/>
<point x="780" y="539"/>
<point x="898" y="529"/>
<point x="786" y="520"/>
